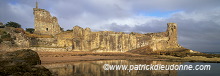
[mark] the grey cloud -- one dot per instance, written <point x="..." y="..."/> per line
<point x="196" y="34"/>
<point x="20" y="13"/>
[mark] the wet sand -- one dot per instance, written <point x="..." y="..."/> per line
<point x="62" y="57"/>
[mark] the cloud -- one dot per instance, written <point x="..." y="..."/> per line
<point x="20" y="13"/>
<point x="198" y="30"/>
<point x="198" y="20"/>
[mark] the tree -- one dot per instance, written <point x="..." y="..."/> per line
<point x="31" y="30"/>
<point x="13" y="24"/>
<point x="61" y="29"/>
<point x="69" y="30"/>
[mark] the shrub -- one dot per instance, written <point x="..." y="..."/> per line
<point x="6" y="37"/>
<point x="69" y="30"/>
<point x="13" y="24"/>
<point x="30" y="30"/>
<point x="2" y="26"/>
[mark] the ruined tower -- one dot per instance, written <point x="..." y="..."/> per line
<point x="45" y="23"/>
<point x="172" y="33"/>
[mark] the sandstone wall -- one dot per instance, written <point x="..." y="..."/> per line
<point x="45" y="23"/>
<point x="43" y="42"/>
<point x="104" y="41"/>
<point x="166" y="41"/>
<point x="108" y="41"/>
<point x="64" y="39"/>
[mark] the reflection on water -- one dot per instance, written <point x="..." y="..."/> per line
<point x="95" y="68"/>
<point x="61" y="69"/>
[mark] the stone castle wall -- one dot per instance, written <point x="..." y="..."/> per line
<point x="165" y="41"/>
<point x="104" y="41"/>
<point x="108" y="41"/>
<point x="64" y="39"/>
<point x="43" y="42"/>
<point x="86" y="40"/>
<point x="44" y="23"/>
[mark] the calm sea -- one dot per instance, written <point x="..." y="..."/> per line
<point x="95" y="68"/>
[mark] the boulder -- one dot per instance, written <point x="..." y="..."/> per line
<point x="22" y="63"/>
<point x="25" y="56"/>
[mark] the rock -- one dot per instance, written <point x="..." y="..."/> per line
<point x="22" y="63"/>
<point x="24" y="70"/>
<point x="25" y="56"/>
<point x="16" y="36"/>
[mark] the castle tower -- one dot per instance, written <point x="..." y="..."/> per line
<point x="172" y="32"/>
<point x="44" y="23"/>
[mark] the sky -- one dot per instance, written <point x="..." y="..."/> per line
<point x="198" y="20"/>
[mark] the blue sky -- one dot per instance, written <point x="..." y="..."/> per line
<point x="13" y="2"/>
<point x="198" y="20"/>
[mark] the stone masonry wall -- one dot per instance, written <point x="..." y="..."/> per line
<point x="108" y="41"/>
<point x="44" y="23"/>
<point x="43" y="42"/>
<point x="64" y="39"/>
<point x="104" y="41"/>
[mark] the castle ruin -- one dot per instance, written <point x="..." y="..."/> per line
<point x="103" y="41"/>
<point x="44" y="23"/>
<point x="109" y="41"/>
